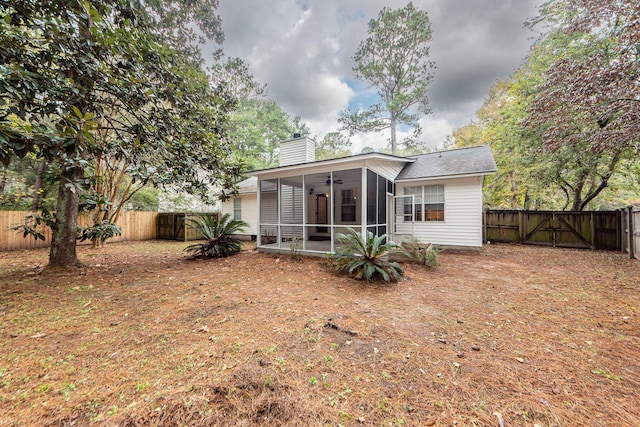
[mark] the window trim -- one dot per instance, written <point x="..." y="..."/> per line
<point x="428" y="205"/>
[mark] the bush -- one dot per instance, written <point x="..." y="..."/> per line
<point x="99" y="232"/>
<point x="365" y="259"/>
<point x="218" y="232"/>
<point x="423" y="253"/>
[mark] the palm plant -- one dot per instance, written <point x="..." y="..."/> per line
<point x="366" y="259"/>
<point x="218" y="232"/>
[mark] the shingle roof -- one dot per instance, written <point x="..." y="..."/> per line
<point x="249" y="185"/>
<point x="462" y="161"/>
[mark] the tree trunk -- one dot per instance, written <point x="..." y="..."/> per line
<point x="394" y="142"/>
<point x="65" y="229"/>
<point x="3" y="180"/>
<point x="514" y="190"/>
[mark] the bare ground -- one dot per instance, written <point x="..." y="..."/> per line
<point x="142" y="336"/>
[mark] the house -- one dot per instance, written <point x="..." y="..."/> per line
<point x="303" y="204"/>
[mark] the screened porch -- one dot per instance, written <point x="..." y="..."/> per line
<point x="304" y="213"/>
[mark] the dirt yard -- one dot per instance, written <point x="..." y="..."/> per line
<point x="512" y="335"/>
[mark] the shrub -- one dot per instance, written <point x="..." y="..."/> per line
<point x="365" y="259"/>
<point x="423" y="253"/>
<point x="218" y="233"/>
<point x="99" y="232"/>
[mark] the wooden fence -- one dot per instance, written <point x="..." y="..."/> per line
<point x="631" y="231"/>
<point x="134" y="226"/>
<point x="589" y="230"/>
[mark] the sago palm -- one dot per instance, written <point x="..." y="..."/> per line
<point x="364" y="259"/>
<point x="219" y="235"/>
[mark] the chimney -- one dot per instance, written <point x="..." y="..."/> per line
<point x="300" y="149"/>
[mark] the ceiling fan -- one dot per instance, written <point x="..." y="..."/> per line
<point x="335" y="181"/>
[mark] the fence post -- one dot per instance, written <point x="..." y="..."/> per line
<point x="619" y="231"/>
<point x="520" y="228"/>
<point x="593" y="231"/>
<point x="631" y="240"/>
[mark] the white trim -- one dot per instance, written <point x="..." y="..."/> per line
<point x="432" y="178"/>
<point x="326" y="165"/>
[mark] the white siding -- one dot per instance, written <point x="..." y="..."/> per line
<point x="387" y="169"/>
<point x="296" y="151"/>
<point x="462" y="225"/>
<point x="249" y="206"/>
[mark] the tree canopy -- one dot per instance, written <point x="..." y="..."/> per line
<point x="394" y="59"/>
<point x="73" y="71"/>
<point x="548" y="145"/>
<point x="591" y="90"/>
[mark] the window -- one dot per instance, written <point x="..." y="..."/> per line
<point x="428" y="203"/>
<point x="413" y="212"/>
<point x="237" y="208"/>
<point x="434" y="203"/>
<point x="348" y="209"/>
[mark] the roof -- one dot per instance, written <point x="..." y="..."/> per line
<point x="458" y="162"/>
<point x="463" y="161"/>
<point x="335" y="161"/>
<point x="249" y="185"/>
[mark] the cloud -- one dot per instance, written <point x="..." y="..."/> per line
<point x="302" y="49"/>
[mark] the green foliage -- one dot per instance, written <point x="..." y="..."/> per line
<point x="531" y="173"/>
<point x="97" y="232"/>
<point x="145" y="199"/>
<point x="427" y="255"/>
<point x="257" y="124"/>
<point x="100" y="231"/>
<point x="332" y="145"/>
<point x="365" y="259"/>
<point x="218" y="233"/>
<point x="83" y="81"/>
<point x="394" y="60"/>
<point x="257" y="127"/>
<point x="32" y="222"/>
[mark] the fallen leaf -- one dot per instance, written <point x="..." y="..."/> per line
<point x="36" y="336"/>
<point x="520" y="359"/>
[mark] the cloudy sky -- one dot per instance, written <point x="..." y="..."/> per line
<point x="303" y="49"/>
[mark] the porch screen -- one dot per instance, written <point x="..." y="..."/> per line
<point x="376" y="203"/>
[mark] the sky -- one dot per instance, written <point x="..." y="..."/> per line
<point x="303" y="49"/>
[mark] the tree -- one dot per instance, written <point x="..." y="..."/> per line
<point x="72" y="69"/>
<point x="257" y="124"/>
<point x="531" y="173"/>
<point x="592" y="89"/>
<point x="394" y="60"/>
<point x="332" y="145"/>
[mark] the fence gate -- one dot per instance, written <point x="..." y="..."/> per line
<point x="558" y="229"/>
<point x="585" y="230"/>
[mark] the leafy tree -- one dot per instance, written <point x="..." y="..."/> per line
<point x="332" y="145"/>
<point x="394" y="60"/>
<point x="72" y="69"/>
<point x="532" y="173"/>
<point x="257" y="124"/>
<point x="591" y="91"/>
<point x="234" y="76"/>
<point x="257" y="128"/>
